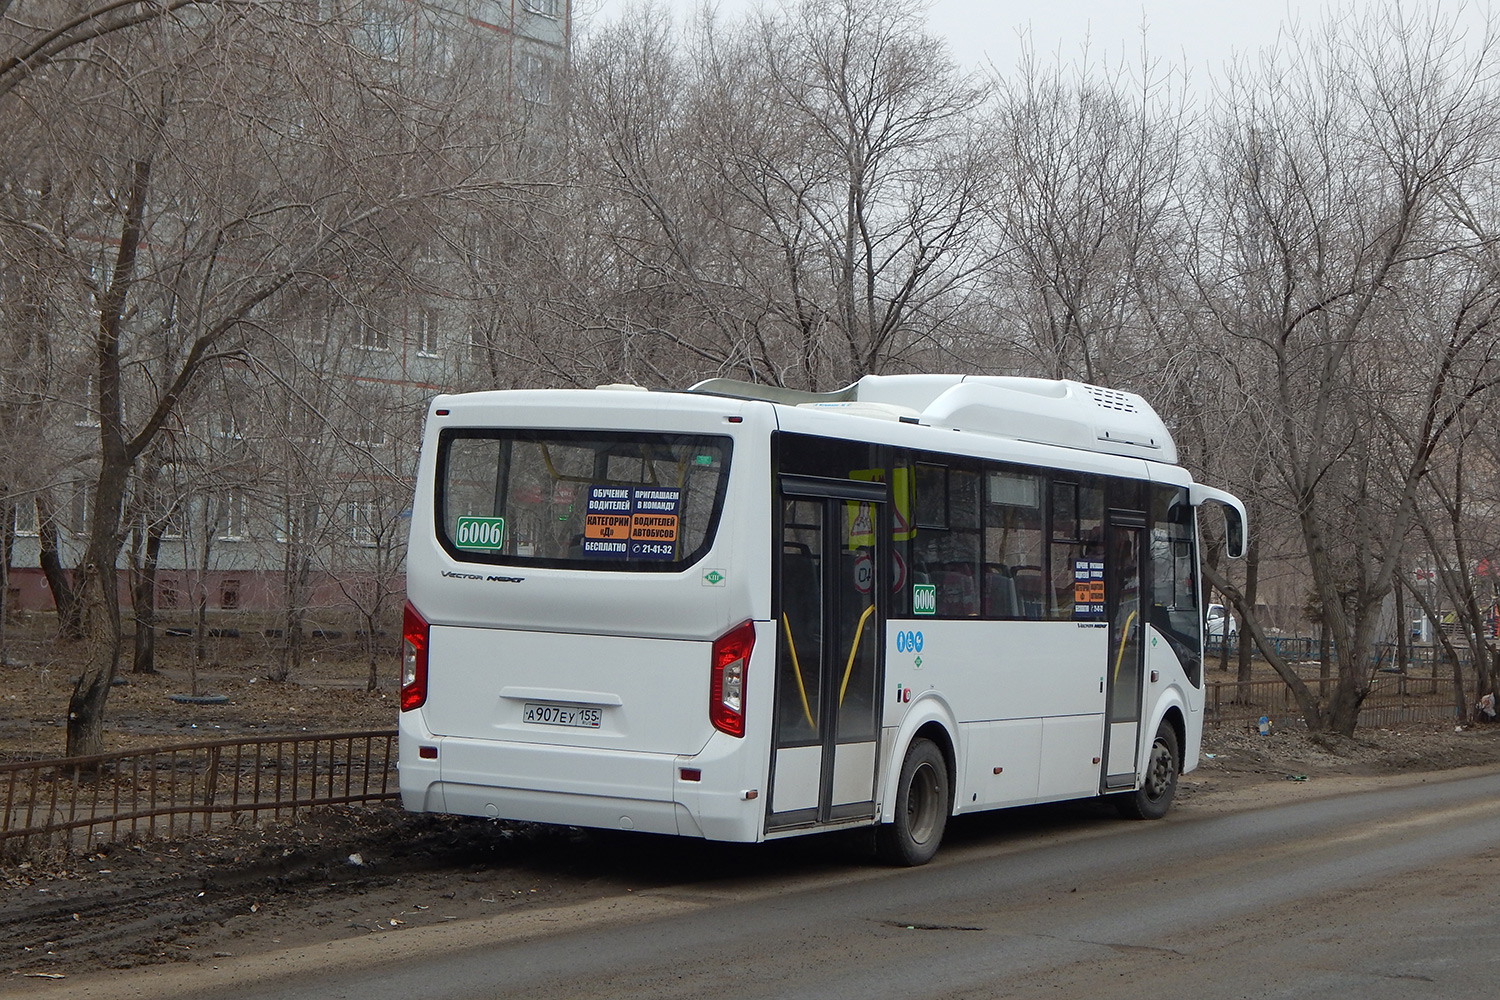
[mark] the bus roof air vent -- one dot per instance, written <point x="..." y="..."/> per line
<point x="1110" y="399"/>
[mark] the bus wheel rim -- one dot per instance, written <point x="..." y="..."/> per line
<point x="921" y="803"/>
<point x="1159" y="775"/>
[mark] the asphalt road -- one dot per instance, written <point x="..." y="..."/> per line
<point x="1382" y="894"/>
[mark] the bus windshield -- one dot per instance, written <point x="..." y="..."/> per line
<point x="580" y="499"/>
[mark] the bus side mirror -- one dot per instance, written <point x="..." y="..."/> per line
<point x="1234" y="532"/>
<point x="1236" y="525"/>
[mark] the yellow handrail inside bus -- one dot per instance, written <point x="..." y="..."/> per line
<point x="797" y="668"/>
<point x="854" y="648"/>
<point x="563" y="477"/>
<point x="1124" y="635"/>
<point x="558" y="477"/>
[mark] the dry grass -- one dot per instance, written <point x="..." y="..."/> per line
<point x="326" y="694"/>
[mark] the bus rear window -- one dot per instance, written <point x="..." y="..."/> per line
<point x="580" y="499"/>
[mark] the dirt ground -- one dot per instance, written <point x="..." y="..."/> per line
<point x="362" y="872"/>
<point x="326" y="694"/>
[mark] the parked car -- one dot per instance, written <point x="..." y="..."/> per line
<point x="1220" y="621"/>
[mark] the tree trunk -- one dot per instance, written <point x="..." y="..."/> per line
<point x="7" y="551"/>
<point x="1403" y="629"/>
<point x="143" y="597"/>
<point x="1252" y="586"/>
<point x="1494" y="685"/>
<point x="98" y="593"/>
<point x="372" y="653"/>
<point x="296" y="574"/>
<point x="100" y="618"/>
<point x="200" y="646"/>
<point x="1355" y="671"/>
<point x="1325" y="661"/>
<point x="49" y="558"/>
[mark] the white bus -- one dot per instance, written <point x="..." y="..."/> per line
<point x="745" y="613"/>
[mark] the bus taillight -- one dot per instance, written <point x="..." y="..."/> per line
<point x="726" y="690"/>
<point x="413" y="659"/>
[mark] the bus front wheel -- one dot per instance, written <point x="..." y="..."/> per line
<point x="1159" y="783"/>
<point x="922" y="804"/>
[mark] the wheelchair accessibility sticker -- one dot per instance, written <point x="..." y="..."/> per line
<point x="910" y="642"/>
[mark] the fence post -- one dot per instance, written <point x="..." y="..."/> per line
<point x="210" y="787"/>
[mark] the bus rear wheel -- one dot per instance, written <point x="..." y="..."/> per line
<point x="1159" y="783"/>
<point x="923" y="801"/>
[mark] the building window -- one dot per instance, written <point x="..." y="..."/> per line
<point x="25" y="517"/>
<point x="427" y="333"/>
<point x="534" y="79"/>
<point x="88" y="413"/>
<point x="172" y="524"/>
<point x="228" y="425"/>
<point x="366" y="429"/>
<point x="366" y="420"/>
<point x="363" y="527"/>
<point x="371" y="334"/>
<point x="492" y="12"/>
<point x="232" y="517"/>
<point x="303" y="422"/>
<point x="314" y="327"/>
<point x="551" y="8"/>
<point x="304" y="517"/>
<point x="78" y="507"/>
<point x="436" y="41"/>
<point x="383" y="31"/>
<point x="479" y="347"/>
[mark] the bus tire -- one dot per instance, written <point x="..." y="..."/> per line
<point x="923" y="801"/>
<point x="1159" y="783"/>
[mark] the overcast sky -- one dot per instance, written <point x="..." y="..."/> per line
<point x="1199" y="34"/>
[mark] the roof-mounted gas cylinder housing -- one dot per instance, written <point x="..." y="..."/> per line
<point x="1045" y="411"/>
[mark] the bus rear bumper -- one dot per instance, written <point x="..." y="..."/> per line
<point x="574" y="786"/>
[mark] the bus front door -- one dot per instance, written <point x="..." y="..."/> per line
<point x="830" y="614"/>
<point x="1122" y="602"/>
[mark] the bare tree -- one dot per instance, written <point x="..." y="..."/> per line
<point x="30" y="45"/>
<point x="1338" y="167"/>
<point x="1093" y="162"/>
<point x="817" y="232"/>
<point x="218" y="164"/>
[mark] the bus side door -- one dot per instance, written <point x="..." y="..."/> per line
<point x="1122" y="599"/>
<point x="830" y="617"/>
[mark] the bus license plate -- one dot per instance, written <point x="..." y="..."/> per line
<point x="563" y="715"/>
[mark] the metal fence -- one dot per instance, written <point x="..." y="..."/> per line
<point x="66" y="804"/>
<point x="1433" y="658"/>
<point x="1291" y="647"/>
<point x="1394" y="699"/>
<point x="76" y="803"/>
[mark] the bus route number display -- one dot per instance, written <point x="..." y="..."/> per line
<point x="631" y="522"/>
<point x="1088" y="588"/>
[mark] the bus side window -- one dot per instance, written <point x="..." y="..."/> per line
<point x="947" y="552"/>
<point x="1013" y="545"/>
<point x="801" y="638"/>
<point x="932" y="496"/>
<point x="1077" y="535"/>
<point x="963" y="563"/>
<point x="1174" y="576"/>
